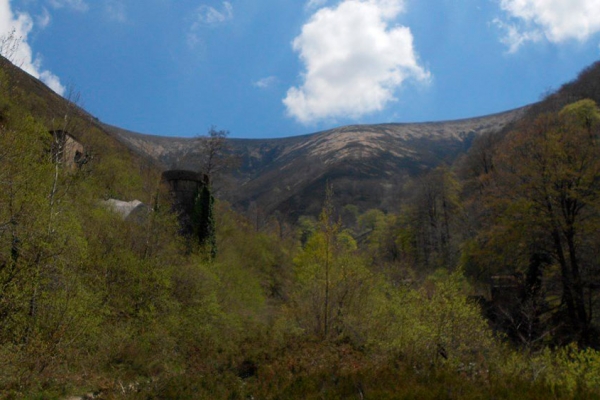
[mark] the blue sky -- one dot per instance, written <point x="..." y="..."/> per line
<point x="274" y="68"/>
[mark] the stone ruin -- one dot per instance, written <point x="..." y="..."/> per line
<point x="67" y="150"/>
<point x="184" y="187"/>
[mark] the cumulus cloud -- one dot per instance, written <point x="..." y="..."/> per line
<point x="18" y="28"/>
<point x="555" y="20"/>
<point x="265" y="83"/>
<point x="355" y="58"/>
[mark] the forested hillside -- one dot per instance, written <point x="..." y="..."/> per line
<point x="482" y="283"/>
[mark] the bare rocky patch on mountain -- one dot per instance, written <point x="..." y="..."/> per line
<point x="365" y="163"/>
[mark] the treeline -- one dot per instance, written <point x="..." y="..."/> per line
<point x="343" y="305"/>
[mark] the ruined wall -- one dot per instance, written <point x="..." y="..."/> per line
<point x="66" y="149"/>
<point x="184" y="187"/>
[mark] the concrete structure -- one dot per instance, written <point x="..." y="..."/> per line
<point x="184" y="187"/>
<point x="129" y="210"/>
<point x="67" y="150"/>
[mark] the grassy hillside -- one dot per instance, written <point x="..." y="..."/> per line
<point x="52" y="112"/>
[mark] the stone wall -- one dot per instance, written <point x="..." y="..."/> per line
<point x="66" y="149"/>
<point x="184" y="187"/>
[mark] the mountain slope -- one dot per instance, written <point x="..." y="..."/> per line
<point x="124" y="173"/>
<point x="365" y="163"/>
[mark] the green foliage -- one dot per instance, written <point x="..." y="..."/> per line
<point x="436" y="324"/>
<point x="378" y="308"/>
<point x="306" y="226"/>
<point x="585" y="113"/>
<point x="430" y="226"/>
<point x="544" y="203"/>
<point x="575" y="370"/>
<point x="568" y="372"/>
<point x="4" y="95"/>
<point x="204" y="222"/>
<point x="341" y="293"/>
<point x="371" y="220"/>
<point x="333" y="284"/>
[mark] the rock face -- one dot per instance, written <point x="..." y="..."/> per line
<point x="365" y="163"/>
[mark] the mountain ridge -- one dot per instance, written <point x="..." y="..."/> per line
<point x="367" y="164"/>
<point x="286" y="174"/>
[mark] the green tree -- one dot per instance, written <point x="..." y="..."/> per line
<point x="545" y="200"/>
<point x="332" y="281"/>
<point x="434" y="217"/>
<point x="204" y="220"/>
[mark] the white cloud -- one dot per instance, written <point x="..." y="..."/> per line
<point x="354" y="59"/>
<point x="265" y="83"/>
<point x="43" y="20"/>
<point x="314" y="4"/>
<point x="555" y="20"/>
<point x="206" y="16"/>
<point x="116" y="10"/>
<point x="78" y="5"/>
<point x="20" y="26"/>
<point x="514" y="38"/>
<point x="52" y="81"/>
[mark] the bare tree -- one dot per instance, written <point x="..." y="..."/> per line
<point x="9" y="46"/>
<point x="216" y="158"/>
<point x="212" y="148"/>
